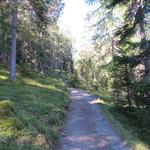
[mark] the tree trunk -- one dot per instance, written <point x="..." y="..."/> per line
<point x="14" y="41"/>
<point x="143" y="45"/>
<point x="117" y="93"/>
<point x="112" y="47"/>
<point x="128" y="97"/>
<point x="128" y="86"/>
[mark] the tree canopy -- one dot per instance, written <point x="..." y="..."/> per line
<point x="29" y="28"/>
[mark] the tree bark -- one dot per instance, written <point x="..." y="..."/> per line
<point x="112" y="47"/>
<point x="14" y="42"/>
<point x="128" y="86"/>
<point x="128" y="97"/>
<point x="143" y="45"/>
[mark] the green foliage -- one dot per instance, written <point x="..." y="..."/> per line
<point x="6" y="108"/>
<point x="31" y="111"/>
<point x="135" y="119"/>
<point x="40" y="45"/>
<point x="128" y="123"/>
<point x="73" y="80"/>
<point x="120" y="66"/>
<point x="141" y="87"/>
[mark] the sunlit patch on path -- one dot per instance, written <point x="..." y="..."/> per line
<point x="86" y="128"/>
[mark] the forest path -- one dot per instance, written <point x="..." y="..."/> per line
<point x="86" y="128"/>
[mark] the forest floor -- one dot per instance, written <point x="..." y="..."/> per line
<point x="32" y="109"/>
<point x="86" y="128"/>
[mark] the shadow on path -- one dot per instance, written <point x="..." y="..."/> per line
<point x="86" y="128"/>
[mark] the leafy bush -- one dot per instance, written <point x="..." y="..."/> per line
<point x="73" y="80"/>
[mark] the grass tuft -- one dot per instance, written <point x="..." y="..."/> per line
<point x="6" y="108"/>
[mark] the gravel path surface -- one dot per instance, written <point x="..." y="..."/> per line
<point x="86" y="128"/>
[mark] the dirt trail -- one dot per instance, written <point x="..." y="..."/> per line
<point x="86" y="128"/>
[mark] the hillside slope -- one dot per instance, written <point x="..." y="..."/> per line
<point x="31" y="111"/>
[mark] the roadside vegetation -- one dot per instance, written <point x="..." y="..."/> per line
<point x="128" y="122"/>
<point x="34" y="55"/>
<point x="32" y="109"/>
<point x="116" y="66"/>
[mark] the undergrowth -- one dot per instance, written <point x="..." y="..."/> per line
<point x="131" y="123"/>
<point x="128" y="123"/>
<point x="31" y="111"/>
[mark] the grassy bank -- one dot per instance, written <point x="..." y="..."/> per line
<point x="131" y="124"/>
<point x="127" y="125"/>
<point x="31" y="111"/>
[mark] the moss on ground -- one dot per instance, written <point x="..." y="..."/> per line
<point x="31" y="111"/>
<point x="127" y="126"/>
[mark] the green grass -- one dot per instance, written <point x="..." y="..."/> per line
<point x="32" y="109"/>
<point x="126" y="124"/>
<point x="132" y="124"/>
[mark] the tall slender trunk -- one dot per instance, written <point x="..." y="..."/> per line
<point x="143" y="45"/>
<point x="117" y="93"/>
<point x="142" y="29"/>
<point x="128" y="86"/>
<point x="14" y="41"/>
<point x="42" y="38"/>
<point x="112" y="47"/>
<point x="128" y="96"/>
